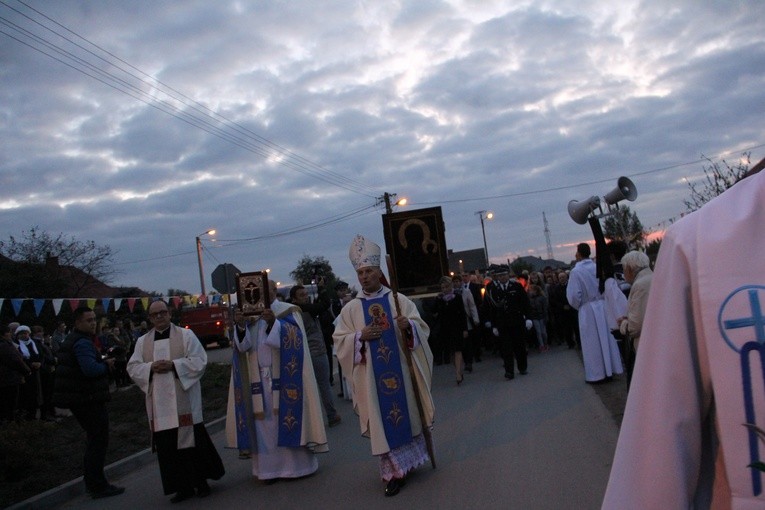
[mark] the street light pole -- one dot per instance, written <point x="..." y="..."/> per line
<point x="199" y="259"/>
<point x="386" y="199"/>
<point x="483" y="231"/>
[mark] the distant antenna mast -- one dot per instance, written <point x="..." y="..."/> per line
<point x="547" y="238"/>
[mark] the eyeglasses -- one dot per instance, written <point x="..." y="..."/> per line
<point x="159" y="314"/>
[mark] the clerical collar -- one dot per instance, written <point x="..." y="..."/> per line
<point x="161" y="335"/>
<point x="375" y="293"/>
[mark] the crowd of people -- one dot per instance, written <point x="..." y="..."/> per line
<point x="377" y="338"/>
<point x="29" y="359"/>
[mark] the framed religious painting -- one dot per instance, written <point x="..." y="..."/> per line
<point x="252" y="293"/>
<point x="416" y="243"/>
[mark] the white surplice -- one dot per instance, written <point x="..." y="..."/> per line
<point x="269" y="460"/>
<point x="600" y="352"/>
<point x="161" y="389"/>
<point x="682" y="442"/>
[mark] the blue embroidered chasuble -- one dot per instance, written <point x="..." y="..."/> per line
<point x="389" y="377"/>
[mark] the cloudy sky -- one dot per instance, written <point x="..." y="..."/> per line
<point x="142" y="124"/>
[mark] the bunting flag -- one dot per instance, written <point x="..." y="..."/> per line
<point x="39" y="303"/>
<point x="178" y="302"/>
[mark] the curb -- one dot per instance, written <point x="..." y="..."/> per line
<point x="70" y="490"/>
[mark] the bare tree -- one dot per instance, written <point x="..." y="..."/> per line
<point x="717" y="178"/>
<point x="50" y="258"/>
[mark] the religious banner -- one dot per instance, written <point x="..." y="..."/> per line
<point x="416" y="243"/>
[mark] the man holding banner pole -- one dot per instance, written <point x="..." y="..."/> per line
<point x="394" y="403"/>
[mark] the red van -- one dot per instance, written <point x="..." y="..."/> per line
<point x="209" y="323"/>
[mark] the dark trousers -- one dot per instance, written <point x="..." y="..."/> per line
<point x="568" y="328"/>
<point x="9" y="401"/>
<point x="512" y="348"/>
<point x="94" y="420"/>
<point x="471" y="350"/>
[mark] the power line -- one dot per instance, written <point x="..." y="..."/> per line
<point x="290" y="231"/>
<point x="200" y="116"/>
<point x="572" y="186"/>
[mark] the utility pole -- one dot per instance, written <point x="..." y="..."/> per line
<point x="386" y="199"/>
<point x="547" y="237"/>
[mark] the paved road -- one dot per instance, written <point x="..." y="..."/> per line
<point x="541" y="441"/>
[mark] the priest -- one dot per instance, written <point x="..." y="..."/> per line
<point x="692" y="430"/>
<point x="600" y="353"/>
<point x="368" y="337"/>
<point x="167" y="365"/>
<point x="284" y="417"/>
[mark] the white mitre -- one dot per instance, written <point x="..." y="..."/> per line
<point x="364" y="253"/>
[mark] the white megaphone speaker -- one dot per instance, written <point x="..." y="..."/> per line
<point x="625" y="190"/>
<point x="580" y="210"/>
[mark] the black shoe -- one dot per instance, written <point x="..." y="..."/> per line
<point x="394" y="487"/>
<point x="524" y="372"/>
<point x="509" y="375"/>
<point x="107" y="492"/>
<point x="182" y="496"/>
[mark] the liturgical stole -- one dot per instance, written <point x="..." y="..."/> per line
<point x="240" y="406"/>
<point x="168" y="396"/>
<point x="389" y="377"/>
<point x="289" y="383"/>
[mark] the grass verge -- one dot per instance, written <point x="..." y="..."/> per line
<point x="37" y="456"/>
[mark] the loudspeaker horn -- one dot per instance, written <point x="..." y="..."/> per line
<point x="625" y="190"/>
<point x="580" y="210"/>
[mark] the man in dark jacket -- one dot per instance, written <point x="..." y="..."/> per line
<point x="82" y="385"/>
<point x="507" y="308"/>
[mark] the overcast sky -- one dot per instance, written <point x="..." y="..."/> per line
<point x="145" y="123"/>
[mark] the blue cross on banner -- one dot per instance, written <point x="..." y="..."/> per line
<point x="389" y="377"/>
<point x="752" y="345"/>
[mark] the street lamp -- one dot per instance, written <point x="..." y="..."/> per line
<point x="386" y="198"/>
<point x="488" y="216"/>
<point x="199" y="258"/>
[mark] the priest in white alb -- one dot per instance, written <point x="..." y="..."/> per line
<point x="600" y="353"/>
<point x="369" y="335"/>
<point x="167" y="365"/>
<point x="689" y="438"/>
<point x="286" y="422"/>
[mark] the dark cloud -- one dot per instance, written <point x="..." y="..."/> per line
<point x="306" y="113"/>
